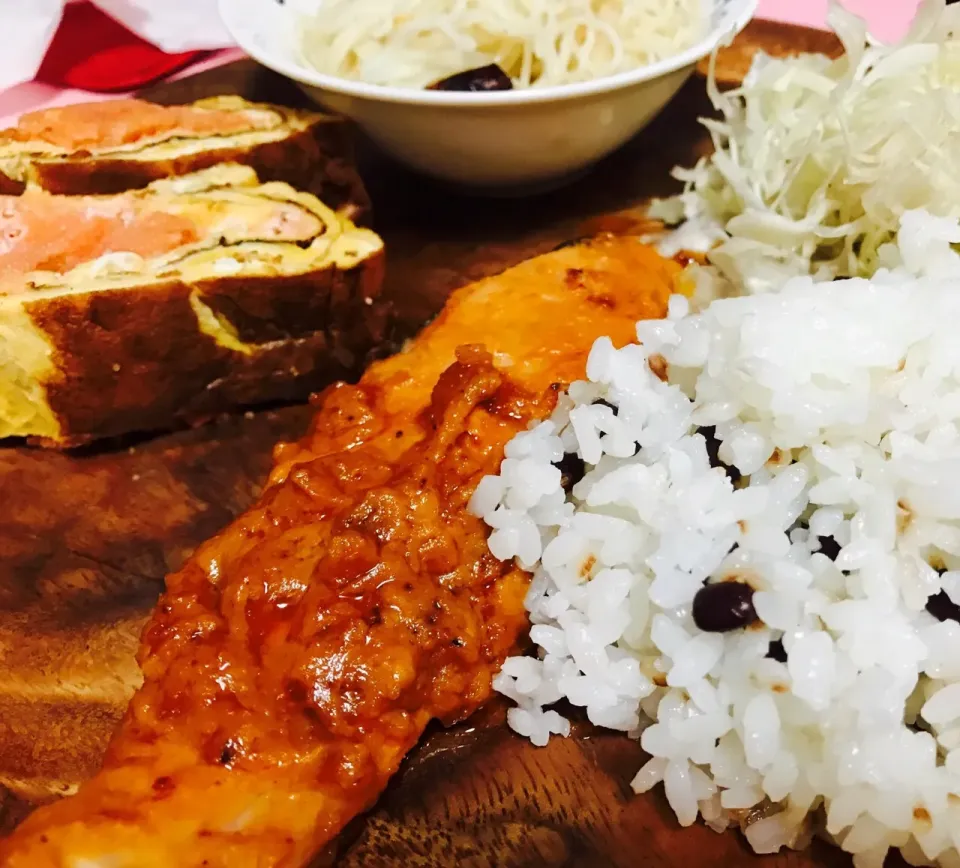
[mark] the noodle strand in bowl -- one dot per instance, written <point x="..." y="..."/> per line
<point x="538" y="43"/>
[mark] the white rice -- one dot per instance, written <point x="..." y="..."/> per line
<point x="839" y="403"/>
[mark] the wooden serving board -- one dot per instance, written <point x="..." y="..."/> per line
<point x="86" y="539"/>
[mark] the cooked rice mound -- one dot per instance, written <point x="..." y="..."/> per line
<point x="755" y="568"/>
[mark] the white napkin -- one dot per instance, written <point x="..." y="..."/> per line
<point x="170" y="25"/>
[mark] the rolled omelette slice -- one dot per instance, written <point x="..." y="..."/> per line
<point x="117" y="145"/>
<point x="170" y="304"/>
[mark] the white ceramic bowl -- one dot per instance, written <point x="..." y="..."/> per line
<point x="497" y="140"/>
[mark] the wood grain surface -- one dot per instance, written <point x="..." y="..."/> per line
<point x="86" y="539"/>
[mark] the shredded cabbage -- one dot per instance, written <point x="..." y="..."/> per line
<point x="816" y="160"/>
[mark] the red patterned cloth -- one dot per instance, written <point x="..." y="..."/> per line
<point x="92" y="52"/>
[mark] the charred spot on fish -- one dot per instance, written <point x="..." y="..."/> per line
<point x="296" y="691"/>
<point x="777" y="652"/>
<point x="163" y="785"/>
<point x="603" y="300"/>
<point x="572" y="469"/>
<point x="724" y="606"/>
<point x="943" y="608"/>
<point x="375" y="617"/>
<point x="457" y="642"/>
<point x="482" y="79"/>
<point x="398" y="435"/>
<point x="713" y="453"/>
<point x="228" y="754"/>
<point x="574" y="278"/>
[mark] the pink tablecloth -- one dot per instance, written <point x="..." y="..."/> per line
<point x="888" y="19"/>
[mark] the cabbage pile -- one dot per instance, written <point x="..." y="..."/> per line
<point x="816" y="160"/>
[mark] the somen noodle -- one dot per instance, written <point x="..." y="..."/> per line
<point x="539" y="43"/>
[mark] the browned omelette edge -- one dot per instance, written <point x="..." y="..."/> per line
<point x="318" y="159"/>
<point x="136" y="360"/>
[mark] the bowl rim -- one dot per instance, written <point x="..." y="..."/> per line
<point x="743" y="12"/>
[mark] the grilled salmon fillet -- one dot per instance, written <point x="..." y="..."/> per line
<point x="298" y="656"/>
